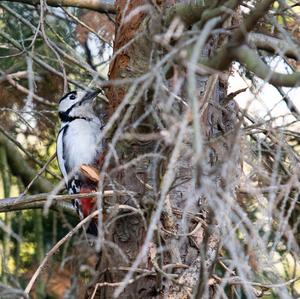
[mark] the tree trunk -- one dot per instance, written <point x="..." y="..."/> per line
<point x="6" y="182"/>
<point x="171" y="227"/>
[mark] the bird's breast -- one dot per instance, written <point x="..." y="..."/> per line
<point x="82" y="143"/>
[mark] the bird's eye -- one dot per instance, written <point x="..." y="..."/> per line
<point x="72" y="97"/>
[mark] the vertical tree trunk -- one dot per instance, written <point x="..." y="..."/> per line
<point x="171" y="185"/>
<point x="5" y="174"/>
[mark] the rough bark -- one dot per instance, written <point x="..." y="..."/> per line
<point x="183" y="203"/>
<point x="127" y="232"/>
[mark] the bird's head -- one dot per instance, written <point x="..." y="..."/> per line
<point x="76" y="104"/>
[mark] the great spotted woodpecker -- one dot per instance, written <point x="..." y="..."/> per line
<point x="79" y="142"/>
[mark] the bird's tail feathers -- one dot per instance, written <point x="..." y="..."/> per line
<point x="86" y="205"/>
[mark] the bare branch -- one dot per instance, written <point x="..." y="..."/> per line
<point x="56" y="247"/>
<point x="98" y="5"/>
<point x="191" y="12"/>
<point x="224" y="56"/>
<point x="38" y="200"/>
<point x="273" y="45"/>
<point x="39" y="173"/>
<point x="77" y="61"/>
<point x="253" y="62"/>
<point x="251" y="20"/>
<point x="65" y="207"/>
<point x="27" y="91"/>
<point x="38" y="60"/>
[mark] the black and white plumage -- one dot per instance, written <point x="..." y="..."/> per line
<point x="78" y="141"/>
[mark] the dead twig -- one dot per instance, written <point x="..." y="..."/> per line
<point x="55" y="248"/>
<point x="11" y="203"/>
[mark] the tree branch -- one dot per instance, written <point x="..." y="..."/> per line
<point x="251" y="60"/>
<point x="26" y="91"/>
<point x="224" y="56"/>
<point x="71" y="59"/>
<point x="38" y="200"/>
<point x="19" y="167"/>
<point x="41" y="62"/>
<point x="251" y="20"/>
<point x="63" y="206"/>
<point x="55" y="248"/>
<point x="98" y="5"/>
<point x="273" y="45"/>
<point x="191" y="12"/>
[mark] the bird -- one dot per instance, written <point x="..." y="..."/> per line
<point x="79" y="142"/>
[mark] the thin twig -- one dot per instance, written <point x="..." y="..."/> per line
<point x="56" y="247"/>
<point x="84" y="25"/>
<point x="39" y="173"/>
<point x="21" y="147"/>
<point x="27" y="92"/>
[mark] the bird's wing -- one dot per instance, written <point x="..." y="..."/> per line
<point x="60" y="153"/>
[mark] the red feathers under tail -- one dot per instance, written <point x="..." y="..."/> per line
<point x="88" y="205"/>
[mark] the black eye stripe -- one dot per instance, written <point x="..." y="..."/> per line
<point x="68" y="94"/>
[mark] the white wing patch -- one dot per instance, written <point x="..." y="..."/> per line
<point x="60" y="155"/>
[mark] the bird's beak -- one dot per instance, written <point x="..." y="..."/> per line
<point x="90" y="95"/>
